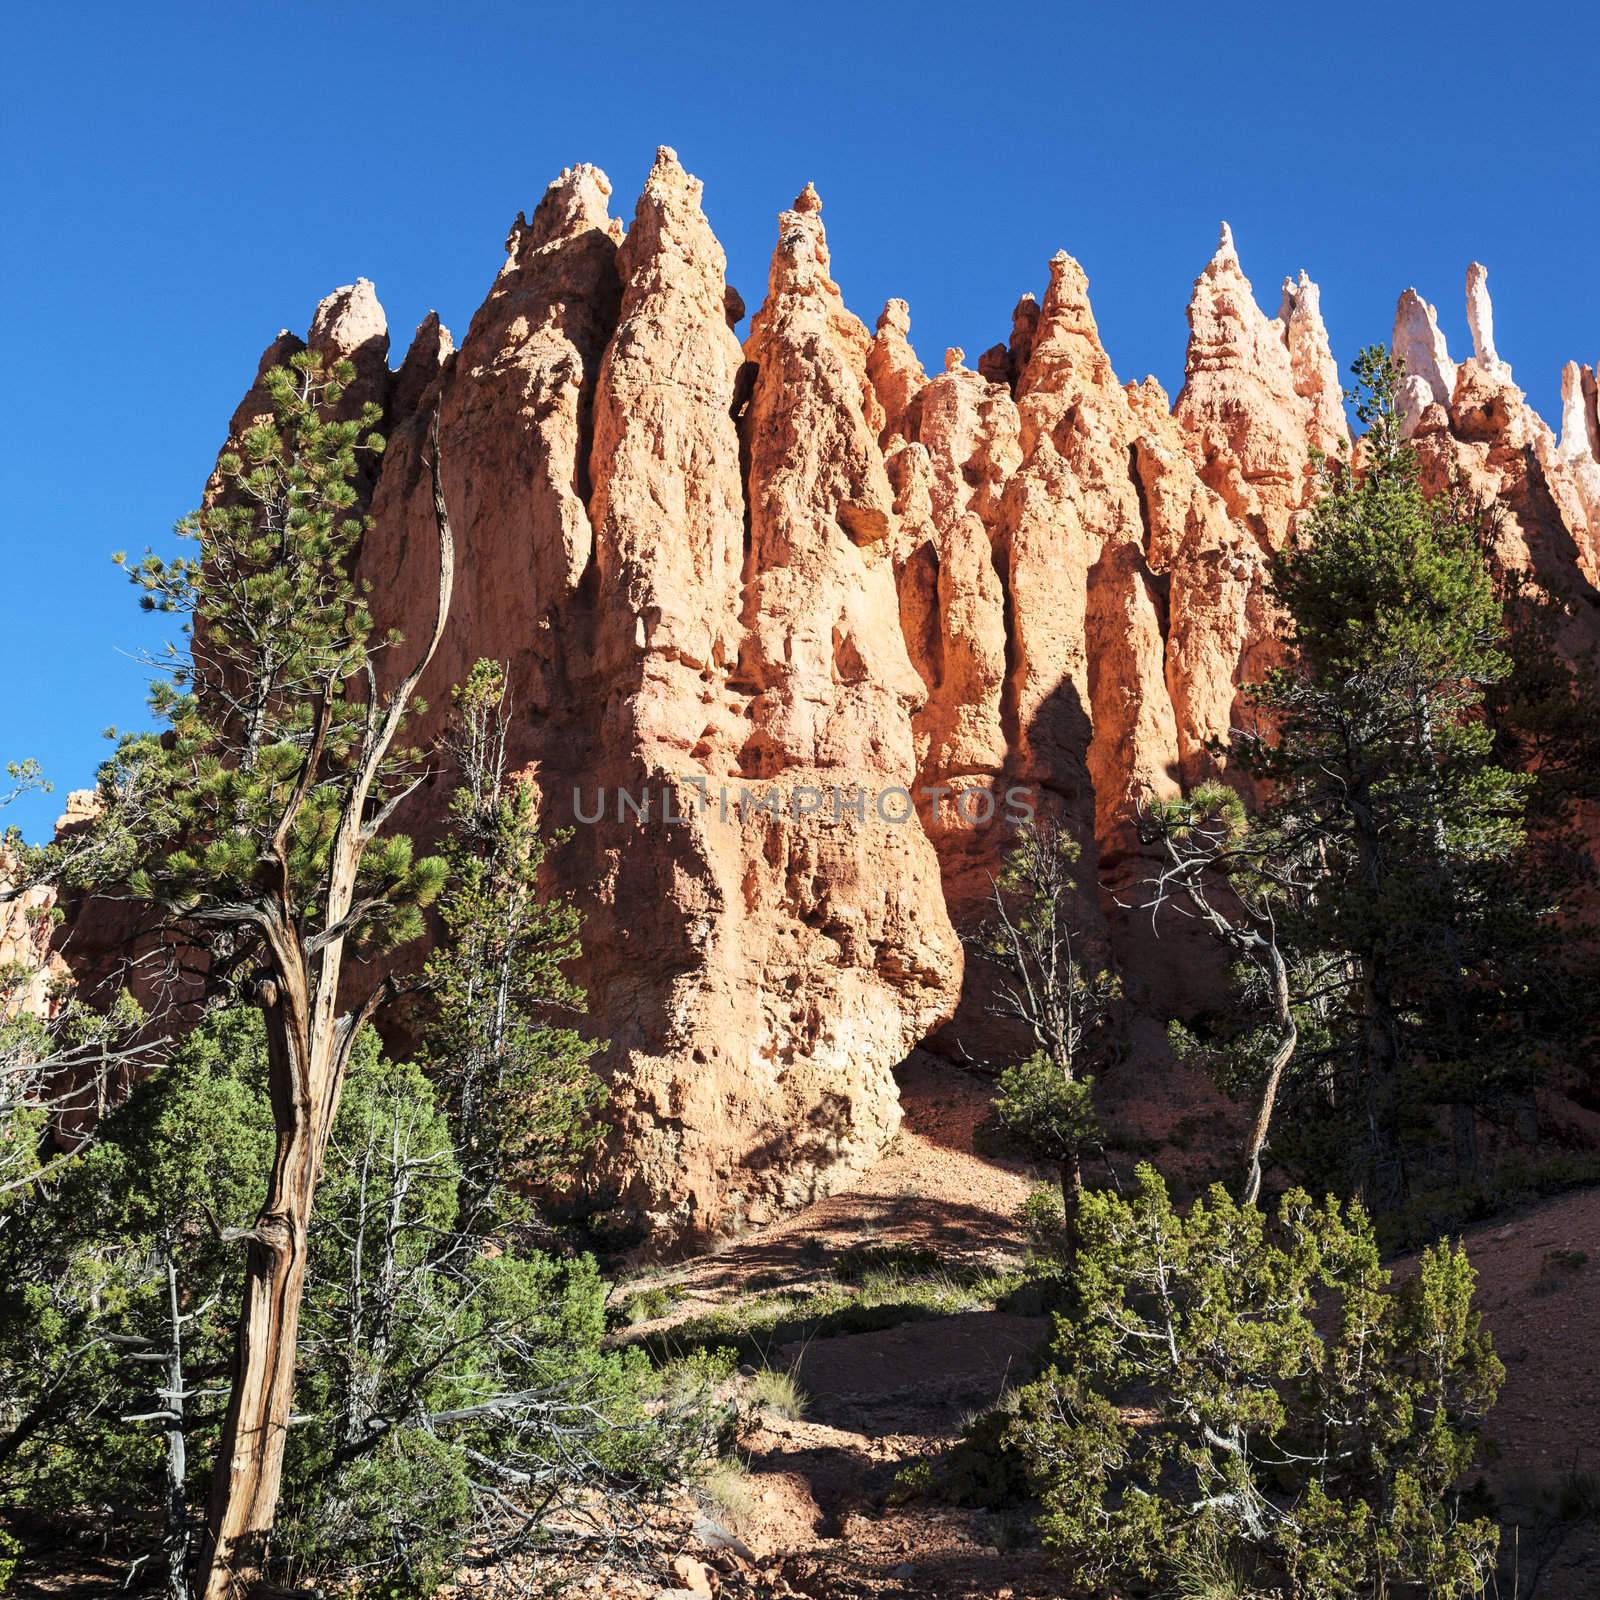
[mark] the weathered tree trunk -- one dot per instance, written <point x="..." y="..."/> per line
<point x="1288" y="1037"/>
<point x="244" y="1493"/>
<point x="244" y="1487"/>
<point x="177" y="1540"/>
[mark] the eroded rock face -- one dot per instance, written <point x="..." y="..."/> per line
<point x="693" y="604"/>
<point x="743" y="585"/>
<point x="25" y="946"/>
<point x="1484" y="437"/>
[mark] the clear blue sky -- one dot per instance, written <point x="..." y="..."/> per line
<point x="183" y="180"/>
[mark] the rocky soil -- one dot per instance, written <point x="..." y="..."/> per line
<point x="818" y="1510"/>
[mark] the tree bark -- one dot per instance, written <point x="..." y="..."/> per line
<point x="1288" y="1037"/>
<point x="308" y="1048"/>
<point x="244" y="1494"/>
<point x="249" y="1470"/>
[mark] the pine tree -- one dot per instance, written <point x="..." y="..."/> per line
<point x="1388" y="859"/>
<point x="517" y="1084"/>
<point x="258" y="822"/>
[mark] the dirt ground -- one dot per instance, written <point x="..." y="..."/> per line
<point x="1539" y="1290"/>
<point x="817" y="1513"/>
<point x="813" y="1516"/>
<point x="820" y="1510"/>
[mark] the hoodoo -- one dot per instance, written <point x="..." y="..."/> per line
<point x="742" y="585"/>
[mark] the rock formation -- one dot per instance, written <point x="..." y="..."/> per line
<point x="1258" y="393"/>
<point x="1428" y="373"/>
<point x="27" y="964"/>
<point x="698" y="640"/>
<point x="31" y="971"/>
<point x="789" y="628"/>
<point x="1476" y="431"/>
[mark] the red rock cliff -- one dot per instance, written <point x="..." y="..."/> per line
<point x="806" y="567"/>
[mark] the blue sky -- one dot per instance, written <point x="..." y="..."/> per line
<point x="182" y="180"/>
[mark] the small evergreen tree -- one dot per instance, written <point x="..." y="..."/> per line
<point x="1050" y="1112"/>
<point x="518" y="1086"/>
<point x="1387" y="858"/>
<point x="257" y="822"/>
<point x="1047" y="1100"/>
<point x="1258" y="1398"/>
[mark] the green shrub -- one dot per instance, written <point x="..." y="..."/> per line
<point x="755" y="1325"/>
<point x="1260" y="1395"/>
<point x="986" y="1467"/>
<point x="397" y="1518"/>
<point x="914" y="1481"/>
<point x="1042" y="1219"/>
<point x="701" y="1371"/>
<point x="646" y="1305"/>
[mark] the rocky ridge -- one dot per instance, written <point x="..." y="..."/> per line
<point x="746" y="585"/>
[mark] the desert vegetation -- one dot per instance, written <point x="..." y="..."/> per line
<point x="279" y="1308"/>
<point x="290" y="1306"/>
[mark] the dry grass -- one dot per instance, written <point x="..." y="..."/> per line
<point x="880" y="1297"/>
<point x="778" y="1390"/>
<point x="646" y="1305"/>
<point x="725" y="1486"/>
<point x="1205" y="1571"/>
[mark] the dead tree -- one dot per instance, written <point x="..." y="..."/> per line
<point x="1212" y="875"/>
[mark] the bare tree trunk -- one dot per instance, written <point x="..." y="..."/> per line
<point x="244" y="1488"/>
<point x="177" y="1540"/>
<point x="244" y="1493"/>
<point x="1288" y="1037"/>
